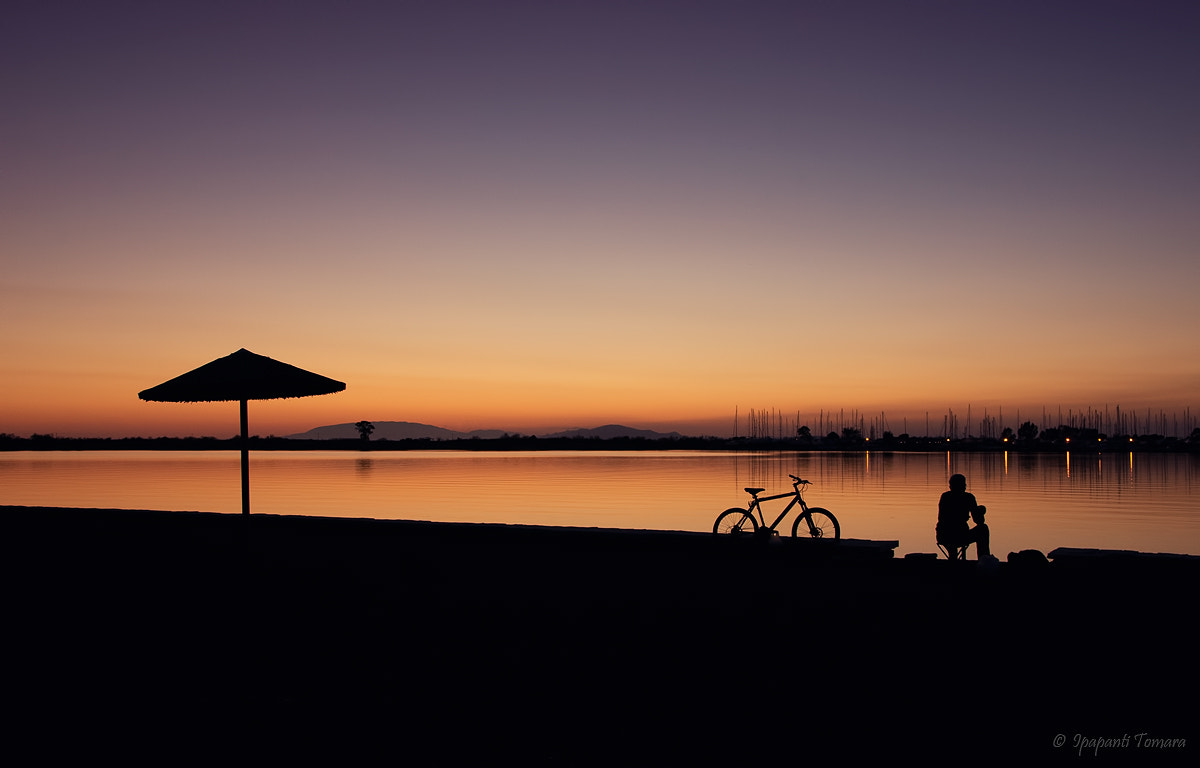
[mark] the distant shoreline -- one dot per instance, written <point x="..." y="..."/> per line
<point x="1143" y="444"/>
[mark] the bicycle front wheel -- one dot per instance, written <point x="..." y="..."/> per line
<point x="823" y="525"/>
<point x="735" y="521"/>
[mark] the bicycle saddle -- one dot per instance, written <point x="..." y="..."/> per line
<point x="754" y="491"/>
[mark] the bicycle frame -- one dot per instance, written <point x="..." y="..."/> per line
<point x="756" y="504"/>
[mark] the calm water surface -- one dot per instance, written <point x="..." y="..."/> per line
<point x="1145" y="502"/>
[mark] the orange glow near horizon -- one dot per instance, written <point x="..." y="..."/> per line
<point x="75" y="407"/>
<point x="74" y="385"/>
<point x="491" y="369"/>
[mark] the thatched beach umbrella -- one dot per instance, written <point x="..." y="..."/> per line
<point x="242" y="376"/>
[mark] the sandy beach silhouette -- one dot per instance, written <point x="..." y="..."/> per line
<point x="197" y="634"/>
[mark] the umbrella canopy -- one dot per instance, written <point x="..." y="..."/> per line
<point x="242" y="376"/>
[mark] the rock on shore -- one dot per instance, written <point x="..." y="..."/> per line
<point x="174" y="635"/>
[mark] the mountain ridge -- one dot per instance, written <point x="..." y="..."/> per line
<point x="609" y="431"/>
<point x="408" y="430"/>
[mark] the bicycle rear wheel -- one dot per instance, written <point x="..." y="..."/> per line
<point x="824" y="525"/>
<point x="735" y="521"/>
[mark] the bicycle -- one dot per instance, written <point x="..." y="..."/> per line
<point x="819" y="523"/>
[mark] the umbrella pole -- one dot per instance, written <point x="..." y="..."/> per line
<point x="245" y="460"/>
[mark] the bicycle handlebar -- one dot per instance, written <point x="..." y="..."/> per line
<point x="798" y="481"/>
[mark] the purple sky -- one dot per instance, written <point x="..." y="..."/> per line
<point x="556" y="214"/>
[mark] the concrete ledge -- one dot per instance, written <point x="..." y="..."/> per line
<point x="1063" y="554"/>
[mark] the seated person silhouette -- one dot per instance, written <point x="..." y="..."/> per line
<point x="954" y="508"/>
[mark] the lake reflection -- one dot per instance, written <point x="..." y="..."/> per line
<point x="1143" y="502"/>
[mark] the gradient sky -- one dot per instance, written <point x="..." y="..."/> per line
<point x="544" y="215"/>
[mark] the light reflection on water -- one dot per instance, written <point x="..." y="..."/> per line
<point x="1143" y="502"/>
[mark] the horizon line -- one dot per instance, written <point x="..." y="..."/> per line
<point x="985" y="422"/>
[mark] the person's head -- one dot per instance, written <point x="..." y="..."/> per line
<point x="958" y="482"/>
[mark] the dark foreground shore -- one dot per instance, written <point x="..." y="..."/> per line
<point x="169" y="636"/>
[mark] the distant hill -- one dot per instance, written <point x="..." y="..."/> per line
<point x="609" y="431"/>
<point x="407" y="430"/>
<point x="394" y="430"/>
